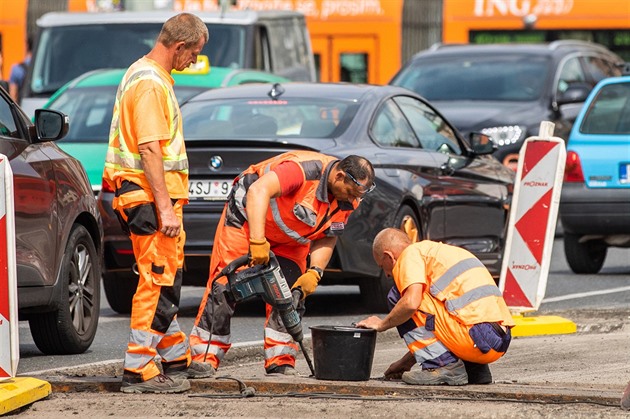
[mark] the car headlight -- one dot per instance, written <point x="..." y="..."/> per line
<point x="505" y="135"/>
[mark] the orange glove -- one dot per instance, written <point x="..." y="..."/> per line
<point x="259" y="251"/>
<point x="307" y="282"/>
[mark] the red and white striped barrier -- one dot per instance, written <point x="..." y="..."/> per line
<point x="532" y="223"/>
<point x="9" y="338"/>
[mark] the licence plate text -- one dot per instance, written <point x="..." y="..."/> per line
<point x="209" y="189"/>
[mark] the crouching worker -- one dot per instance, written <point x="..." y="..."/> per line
<point x="447" y="309"/>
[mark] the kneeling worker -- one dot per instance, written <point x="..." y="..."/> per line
<point x="446" y="307"/>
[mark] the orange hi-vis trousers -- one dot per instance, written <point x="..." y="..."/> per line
<point x="215" y="312"/>
<point x="159" y="259"/>
<point x="435" y="338"/>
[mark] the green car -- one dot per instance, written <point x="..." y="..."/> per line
<point x="89" y="101"/>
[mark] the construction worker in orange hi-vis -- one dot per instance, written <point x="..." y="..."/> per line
<point x="296" y="205"/>
<point x="147" y="166"/>
<point x="447" y="308"/>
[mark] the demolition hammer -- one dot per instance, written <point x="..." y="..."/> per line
<point x="268" y="282"/>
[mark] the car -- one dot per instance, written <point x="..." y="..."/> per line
<point x="595" y="199"/>
<point x="58" y="231"/>
<point x="89" y="102"/>
<point x="507" y="90"/>
<point x="429" y="178"/>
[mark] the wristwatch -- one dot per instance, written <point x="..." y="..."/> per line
<point x="319" y="271"/>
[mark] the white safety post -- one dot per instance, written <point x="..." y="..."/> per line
<point x="532" y="223"/>
<point x="9" y="337"/>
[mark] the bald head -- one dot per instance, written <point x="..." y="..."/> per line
<point x="392" y="240"/>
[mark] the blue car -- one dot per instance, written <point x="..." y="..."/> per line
<point x="595" y="201"/>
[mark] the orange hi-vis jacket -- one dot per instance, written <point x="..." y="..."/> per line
<point x="456" y="278"/>
<point x="303" y="216"/>
<point x="154" y="109"/>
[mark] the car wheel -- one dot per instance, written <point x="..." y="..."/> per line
<point x="72" y="327"/>
<point x="584" y="258"/>
<point x="119" y="290"/>
<point x="374" y="290"/>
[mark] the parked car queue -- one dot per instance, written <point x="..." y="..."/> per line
<point x="429" y="178"/>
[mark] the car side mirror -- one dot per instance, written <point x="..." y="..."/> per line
<point x="575" y="93"/>
<point x="482" y="143"/>
<point x="50" y="125"/>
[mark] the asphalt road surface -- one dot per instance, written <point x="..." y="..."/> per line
<point x="337" y="305"/>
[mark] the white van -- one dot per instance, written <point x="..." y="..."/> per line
<point x="70" y="44"/>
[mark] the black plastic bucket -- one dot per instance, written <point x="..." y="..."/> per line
<point x="343" y="352"/>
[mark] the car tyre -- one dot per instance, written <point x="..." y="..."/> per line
<point x="119" y="290"/>
<point x="374" y="290"/>
<point x="72" y="327"/>
<point x="584" y="258"/>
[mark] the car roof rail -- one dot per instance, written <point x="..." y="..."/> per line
<point x="575" y="43"/>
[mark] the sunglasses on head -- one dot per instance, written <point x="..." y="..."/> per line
<point x="366" y="189"/>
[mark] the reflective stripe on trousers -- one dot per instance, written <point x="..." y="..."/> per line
<point x="213" y="353"/>
<point x="427" y="349"/>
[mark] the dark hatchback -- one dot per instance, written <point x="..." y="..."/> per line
<point x="507" y="90"/>
<point x="428" y="177"/>
<point x="58" y="232"/>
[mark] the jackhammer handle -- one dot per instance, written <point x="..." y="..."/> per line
<point x="296" y="293"/>
<point x="234" y="265"/>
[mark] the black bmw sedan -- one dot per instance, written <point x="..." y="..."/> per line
<point x="429" y="178"/>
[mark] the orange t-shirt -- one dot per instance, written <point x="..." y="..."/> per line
<point x="145" y="116"/>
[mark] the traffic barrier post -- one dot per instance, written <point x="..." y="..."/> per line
<point x="9" y="337"/>
<point x="531" y="232"/>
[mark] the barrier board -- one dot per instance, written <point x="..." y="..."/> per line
<point x="9" y="338"/>
<point x="532" y="223"/>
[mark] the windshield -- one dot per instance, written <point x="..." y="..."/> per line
<point x="90" y="110"/>
<point x="501" y="78"/>
<point x="253" y="118"/>
<point x="609" y="112"/>
<point x="64" y="53"/>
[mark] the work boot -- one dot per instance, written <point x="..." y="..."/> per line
<point x="625" y="398"/>
<point x="452" y="374"/>
<point x="158" y="384"/>
<point x="282" y="369"/>
<point x="194" y="370"/>
<point x="478" y="373"/>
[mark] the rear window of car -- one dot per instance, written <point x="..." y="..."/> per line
<point x="496" y="77"/>
<point x="264" y="118"/>
<point x="90" y="110"/>
<point x="609" y="111"/>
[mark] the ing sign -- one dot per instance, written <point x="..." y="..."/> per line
<point x="520" y="8"/>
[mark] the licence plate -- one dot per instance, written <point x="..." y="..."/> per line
<point x="211" y="190"/>
<point x="624" y="173"/>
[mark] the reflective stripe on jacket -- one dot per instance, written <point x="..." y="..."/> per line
<point x="304" y="215"/>
<point x="123" y="158"/>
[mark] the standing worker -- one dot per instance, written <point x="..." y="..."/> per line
<point x="18" y="73"/>
<point x="147" y="166"/>
<point x="294" y="203"/>
<point x="447" y="308"/>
